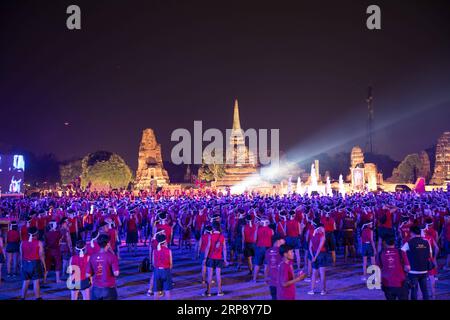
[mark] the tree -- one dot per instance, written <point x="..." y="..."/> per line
<point x="105" y="170"/>
<point x="409" y="167"/>
<point x="70" y="171"/>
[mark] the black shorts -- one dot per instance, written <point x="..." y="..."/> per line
<point x="330" y="241"/>
<point x="84" y="284"/>
<point x="367" y="250"/>
<point x="104" y="293"/>
<point x="238" y="245"/>
<point x="197" y="235"/>
<point x="214" y="263"/>
<point x="32" y="270"/>
<point x="293" y="242"/>
<point x="89" y="227"/>
<point x="349" y="238"/>
<point x="260" y="255"/>
<point x="2" y="258"/>
<point x="162" y="280"/>
<point x="385" y="233"/>
<point x="13" y="247"/>
<point x="249" y="250"/>
<point x="320" y="262"/>
<point x="132" y="237"/>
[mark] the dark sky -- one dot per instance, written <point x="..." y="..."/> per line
<point x="300" y="66"/>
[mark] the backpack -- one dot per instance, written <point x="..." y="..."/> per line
<point x="145" y="265"/>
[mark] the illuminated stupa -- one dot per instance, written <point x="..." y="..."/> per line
<point x="244" y="162"/>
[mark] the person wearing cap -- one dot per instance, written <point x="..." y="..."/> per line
<point x="419" y="254"/>
<point x="201" y="250"/>
<point x="286" y="276"/>
<point x="368" y="249"/>
<point x="153" y="245"/>
<point x="78" y="266"/>
<point x="271" y="262"/>
<point x="103" y="267"/>
<point x="12" y="249"/>
<point x="33" y="262"/>
<point x="263" y="235"/>
<point x="318" y="256"/>
<point x="216" y="258"/>
<point x="162" y="262"/>
<point x="52" y="240"/>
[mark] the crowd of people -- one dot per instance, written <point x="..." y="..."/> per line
<point x="279" y="239"/>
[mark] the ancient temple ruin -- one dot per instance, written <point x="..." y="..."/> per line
<point x="244" y="162"/>
<point x="150" y="173"/>
<point x="441" y="173"/>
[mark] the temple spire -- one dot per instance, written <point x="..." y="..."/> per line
<point x="236" y="121"/>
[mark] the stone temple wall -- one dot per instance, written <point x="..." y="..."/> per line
<point x="150" y="172"/>
<point x="442" y="165"/>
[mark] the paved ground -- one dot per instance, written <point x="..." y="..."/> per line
<point x="344" y="283"/>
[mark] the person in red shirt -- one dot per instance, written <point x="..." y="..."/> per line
<point x="79" y="282"/>
<point x="286" y="279"/>
<point x="162" y="223"/>
<point x="330" y="242"/>
<point x="201" y="250"/>
<point x="72" y="223"/>
<point x="393" y="276"/>
<point x="185" y="223"/>
<point x="103" y="267"/>
<point x="368" y="247"/>
<point x="33" y="262"/>
<point x="317" y="253"/>
<point x="348" y="226"/>
<point x="88" y="223"/>
<point x="385" y="224"/>
<point x="132" y="232"/>
<point x="403" y="229"/>
<point x="216" y="258"/>
<point x="293" y="231"/>
<point x="264" y="236"/>
<point x="65" y="243"/>
<point x="162" y="262"/>
<point x="52" y="240"/>
<point x="24" y="229"/>
<point x="199" y="222"/>
<point x="271" y="263"/>
<point x="12" y="248"/>
<point x="249" y="241"/>
<point x="308" y="232"/>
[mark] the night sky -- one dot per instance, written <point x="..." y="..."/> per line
<point x="303" y="67"/>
